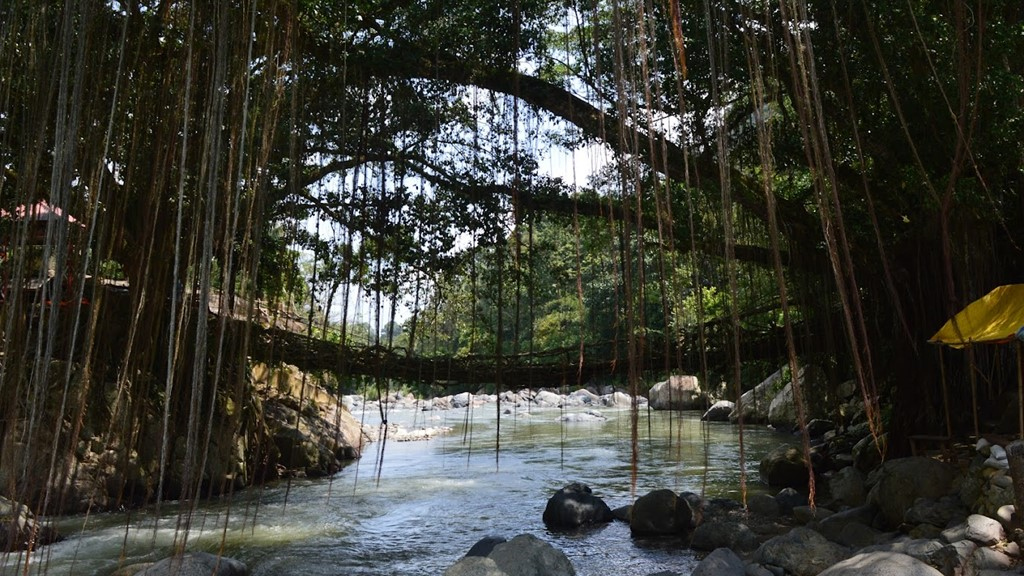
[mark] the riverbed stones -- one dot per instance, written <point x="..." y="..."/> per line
<point x="846" y="486"/>
<point x="20" y="530"/>
<point x="881" y="564"/>
<point x="783" y="412"/>
<point x="784" y="466"/>
<point x="719" y="411"/>
<point x="801" y="551"/>
<point x="728" y="534"/>
<point x="196" y="564"/>
<point x="524" y="555"/>
<point x="661" y="513"/>
<point x="898" y="483"/>
<point x="574" y="506"/>
<point x="720" y="562"/>
<point x="679" y="392"/>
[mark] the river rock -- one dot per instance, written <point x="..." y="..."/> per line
<point x="196" y="564"/>
<point x="573" y="506"/>
<point x="547" y="399"/>
<point x="938" y="512"/>
<point x="527" y="555"/>
<point x="782" y="411"/>
<point x="617" y="400"/>
<point x="677" y="393"/>
<point x="727" y="534"/>
<point x="19" y="529"/>
<point x="881" y="564"/>
<point x="719" y="411"/>
<point x="588" y="416"/>
<point x="898" y="483"/>
<point x="753" y="404"/>
<point x="659" y="513"/>
<point x="801" y="551"/>
<point x="847" y="486"/>
<point x="784" y="466"/>
<point x="867" y="454"/>
<point x="721" y="562"/>
<point x="582" y="397"/>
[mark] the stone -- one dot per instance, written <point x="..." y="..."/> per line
<point x="984" y="530"/>
<point x="484" y="546"/>
<point x="574" y="506"/>
<point x="801" y="551"/>
<point x="677" y="393"/>
<point x="764" y="505"/>
<point x="988" y="559"/>
<point x="788" y="498"/>
<point x="720" y="562"/>
<point x="847" y="486"/>
<point x="527" y="555"/>
<point x="805" y="514"/>
<point x="867" y="454"/>
<point x="660" y="512"/>
<point x="937" y="512"/>
<point x="898" y="483"/>
<point x="726" y="534"/>
<point x="881" y="564"/>
<point x="818" y="427"/>
<point x="782" y="411"/>
<point x="474" y="566"/>
<point x="546" y="399"/>
<point x="582" y="397"/>
<point x="835" y="527"/>
<point x="196" y="564"/>
<point x="753" y="404"/>
<point x="20" y="530"/>
<point x="719" y="411"/>
<point x="617" y="400"/>
<point x="784" y="466"/>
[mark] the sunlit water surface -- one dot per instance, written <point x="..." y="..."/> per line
<point x="420" y="510"/>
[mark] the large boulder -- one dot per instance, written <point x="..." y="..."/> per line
<point x="881" y="564"/>
<point x="677" y="393"/>
<point x="897" y="484"/>
<point x="719" y="411"/>
<point x="660" y="513"/>
<point x="20" y="530"/>
<point x="524" y="555"/>
<point x="753" y="404"/>
<point x="784" y="466"/>
<point x="782" y="411"/>
<point x="196" y="564"/>
<point x="801" y="551"/>
<point x="575" y="505"/>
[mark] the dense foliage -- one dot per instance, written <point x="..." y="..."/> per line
<point x="850" y="171"/>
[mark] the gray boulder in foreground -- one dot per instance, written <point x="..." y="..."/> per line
<point x="524" y="555"/>
<point x="881" y="564"/>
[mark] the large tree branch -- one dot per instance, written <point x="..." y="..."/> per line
<point x="669" y="159"/>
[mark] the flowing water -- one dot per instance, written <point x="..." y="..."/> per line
<point x="421" y="510"/>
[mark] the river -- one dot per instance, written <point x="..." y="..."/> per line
<point x="421" y="509"/>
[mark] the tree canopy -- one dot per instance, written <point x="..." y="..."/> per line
<point x="806" y="179"/>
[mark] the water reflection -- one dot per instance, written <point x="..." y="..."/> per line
<point x="435" y="498"/>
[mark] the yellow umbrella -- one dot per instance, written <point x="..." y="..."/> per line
<point x="995" y="318"/>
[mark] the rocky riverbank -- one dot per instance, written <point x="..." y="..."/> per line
<point x="917" y="516"/>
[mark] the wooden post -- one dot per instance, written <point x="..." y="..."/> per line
<point x="974" y="390"/>
<point x="1015" y="458"/>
